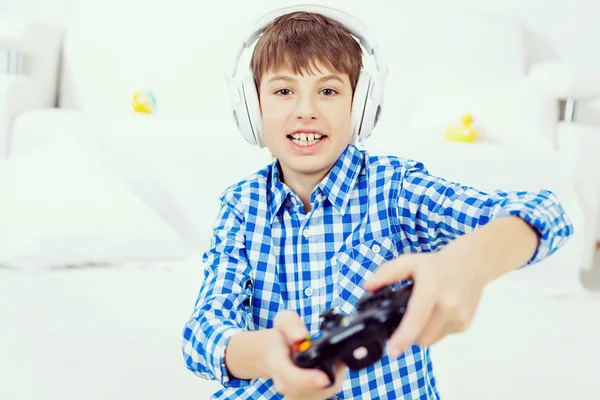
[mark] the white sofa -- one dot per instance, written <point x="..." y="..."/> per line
<point x="114" y="330"/>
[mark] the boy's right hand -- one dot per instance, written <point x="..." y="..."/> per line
<point x="291" y="381"/>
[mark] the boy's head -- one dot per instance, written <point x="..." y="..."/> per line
<point x="306" y="67"/>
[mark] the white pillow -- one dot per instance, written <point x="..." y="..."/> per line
<point x="60" y="207"/>
<point x="512" y="112"/>
<point x="180" y="166"/>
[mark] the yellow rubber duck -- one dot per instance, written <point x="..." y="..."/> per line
<point x="464" y="133"/>
<point x="143" y="102"/>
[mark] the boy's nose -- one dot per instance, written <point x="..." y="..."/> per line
<point x="305" y="108"/>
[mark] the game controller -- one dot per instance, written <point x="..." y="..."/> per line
<point x="358" y="339"/>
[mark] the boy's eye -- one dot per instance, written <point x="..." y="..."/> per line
<point x="329" y="92"/>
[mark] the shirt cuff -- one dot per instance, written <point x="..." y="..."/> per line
<point x="552" y="230"/>
<point x="216" y="355"/>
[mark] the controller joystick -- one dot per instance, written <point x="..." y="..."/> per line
<point x="330" y="318"/>
<point x="374" y="299"/>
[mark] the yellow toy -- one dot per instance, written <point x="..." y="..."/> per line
<point x="464" y="133"/>
<point x="144" y="102"/>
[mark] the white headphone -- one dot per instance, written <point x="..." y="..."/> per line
<point x="368" y="94"/>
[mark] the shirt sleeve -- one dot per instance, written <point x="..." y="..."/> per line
<point x="432" y="211"/>
<point x="223" y="306"/>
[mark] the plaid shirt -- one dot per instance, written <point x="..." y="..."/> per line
<point x="267" y="255"/>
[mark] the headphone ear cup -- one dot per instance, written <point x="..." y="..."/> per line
<point x="370" y="116"/>
<point x="370" y="108"/>
<point x="358" y="105"/>
<point x="240" y="112"/>
<point x="253" y="109"/>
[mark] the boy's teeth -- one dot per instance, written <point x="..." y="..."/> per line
<point x="306" y="139"/>
<point x="306" y="136"/>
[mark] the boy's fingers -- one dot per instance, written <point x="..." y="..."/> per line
<point x="291" y="325"/>
<point x="435" y="328"/>
<point x="341" y="371"/>
<point x="340" y="374"/>
<point x="303" y="377"/>
<point x="391" y="272"/>
<point x="418" y="312"/>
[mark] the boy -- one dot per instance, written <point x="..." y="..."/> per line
<point x="327" y="222"/>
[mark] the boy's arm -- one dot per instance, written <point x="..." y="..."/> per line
<point x="432" y="212"/>
<point x="223" y="307"/>
<point x="487" y="235"/>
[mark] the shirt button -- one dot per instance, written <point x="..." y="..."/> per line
<point x="306" y="233"/>
<point x="308" y="292"/>
<point x="376" y="248"/>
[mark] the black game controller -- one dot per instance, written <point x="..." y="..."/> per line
<point x="358" y="339"/>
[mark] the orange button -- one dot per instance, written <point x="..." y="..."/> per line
<point x="304" y="345"/>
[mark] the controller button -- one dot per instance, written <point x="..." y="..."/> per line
<point x="360" y="353"/>
<point x="304" y="346"/>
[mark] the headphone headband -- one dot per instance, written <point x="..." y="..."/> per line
<point x="354" y="26"/>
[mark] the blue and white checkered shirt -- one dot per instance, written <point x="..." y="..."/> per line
<point x="267" y="255"/>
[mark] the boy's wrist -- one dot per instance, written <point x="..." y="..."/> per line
<point x="249" y="354"/>
<point x="493" y="250"/>
<point x="268" y="360"/>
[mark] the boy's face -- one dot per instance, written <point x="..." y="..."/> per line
<point x="306" y="119"/>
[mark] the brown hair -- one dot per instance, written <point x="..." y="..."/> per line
<point x="299" y="40"/>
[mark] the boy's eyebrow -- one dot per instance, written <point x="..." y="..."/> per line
<point x="290" y="79"/>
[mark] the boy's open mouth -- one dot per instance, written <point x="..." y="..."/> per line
<point x="306" y="139"/>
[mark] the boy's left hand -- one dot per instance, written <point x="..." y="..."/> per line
<point x="446" y="293"/>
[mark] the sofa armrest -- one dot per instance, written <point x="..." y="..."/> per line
<point x="578" y="146"/>
<point x="17" y="95"/>
<point x="30" y="51"/>
<point x="567" y="81"/>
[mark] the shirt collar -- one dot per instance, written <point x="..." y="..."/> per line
<point x="336" y="186"/>
<point x="279" y="190"/>
<point x="339" y="182"/>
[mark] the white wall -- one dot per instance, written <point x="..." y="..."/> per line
<point x="158" y="46"/>
<point x="566" y="27"/>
